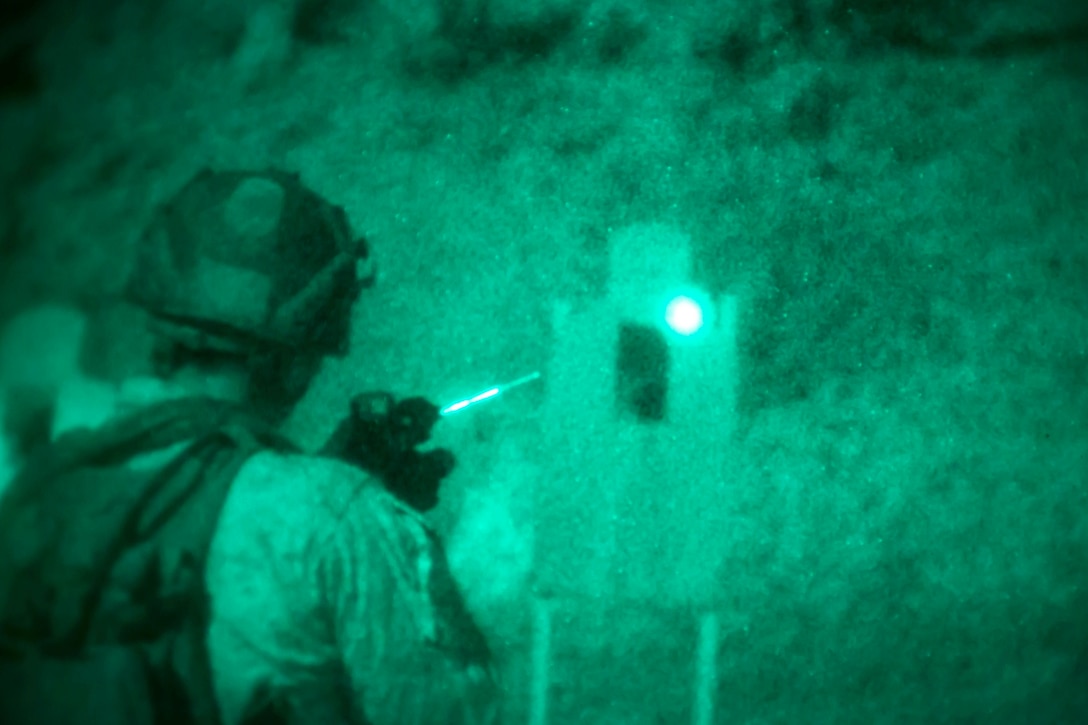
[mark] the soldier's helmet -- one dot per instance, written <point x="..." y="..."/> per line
<point x="239" y="261"/>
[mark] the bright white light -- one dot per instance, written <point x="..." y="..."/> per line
<point x="684" y="315"/>
<point x="484" y="395"/>
<point x="489" y="393"/>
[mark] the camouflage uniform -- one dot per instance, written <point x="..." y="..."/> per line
<point x="326" y="589"/>
<point x="329" y="600"/>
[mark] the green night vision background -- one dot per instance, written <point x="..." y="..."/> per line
<point x="870" y="507"/>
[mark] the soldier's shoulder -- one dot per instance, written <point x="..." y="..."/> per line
<point x="295" y="465"/>
<point x="320" y="482"/>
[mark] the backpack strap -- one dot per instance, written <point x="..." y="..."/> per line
<point x="94" y="554"/>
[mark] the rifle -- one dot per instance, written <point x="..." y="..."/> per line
<point x="380" y="435"/>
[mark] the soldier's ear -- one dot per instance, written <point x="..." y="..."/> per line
<point x="120" y="343"/>
<point x="280" y="378"/>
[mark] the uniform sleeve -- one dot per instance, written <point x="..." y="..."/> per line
<point x="411" y="653"/>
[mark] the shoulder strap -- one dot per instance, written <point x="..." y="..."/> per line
<point x="66" y="519"/>
<point x="94" y="553"/>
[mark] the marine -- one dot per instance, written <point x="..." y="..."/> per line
<point x="184" y="562"/>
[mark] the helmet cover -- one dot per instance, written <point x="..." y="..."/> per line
<point x="242" y="260"/>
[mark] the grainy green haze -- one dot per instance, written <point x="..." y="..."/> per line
<point x="895" y="194"/>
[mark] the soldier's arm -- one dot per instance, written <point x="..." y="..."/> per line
<point x="411" y="653"/>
